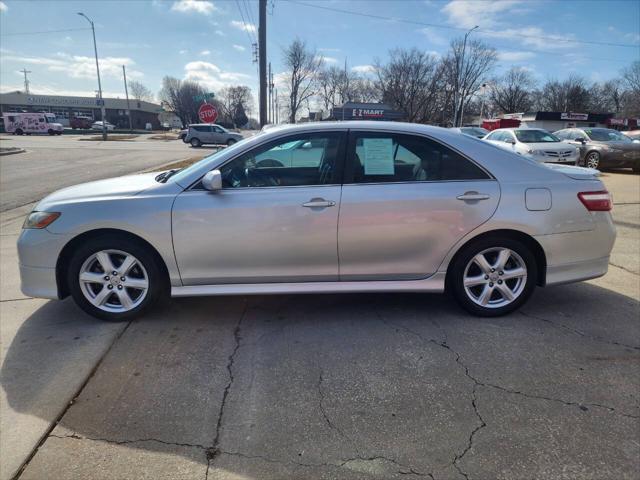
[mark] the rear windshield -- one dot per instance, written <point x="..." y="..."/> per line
<point x="535" y="136"/>
<point x="476" y="132"/>
<point x="606" y="135"/>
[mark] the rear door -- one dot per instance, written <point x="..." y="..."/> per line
<point x="406" y="201"/>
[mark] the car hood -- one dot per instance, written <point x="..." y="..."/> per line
<point x="550" y="146"/>
<point x="112" y="187"/>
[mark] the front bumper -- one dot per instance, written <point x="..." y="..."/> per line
<point x="39" y="282"/>
<point x="619" y="159"/>
<point x="38" y="253"/>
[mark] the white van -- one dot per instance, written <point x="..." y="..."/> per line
<point x="28" y="123"/>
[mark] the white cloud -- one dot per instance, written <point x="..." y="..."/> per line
<point x="77" y="66"/>
<point x="211" y="76"/>
<point x="534" y="37"/>
<point x="54" y="89"/>
<point x="221" y="33"/>
<point x="433" y="37"/>
<point x="205" y="53"/>
<point x="363" y="69"/>
<point x="240" y="48"/>
<point x="486" y="13"/>
<point x="3" y="7"/>
<point x="515" y="56"/>
<point x="329" y="50"/>
<point x="247" y="27"/>
<point x="204" y="7"/>
<point x="325" y="59"/>
<point x="183" y="52"/>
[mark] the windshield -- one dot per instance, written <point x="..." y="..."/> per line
<point x="535" y="136"/>
<point x="606" y="135"/>
<point x="474" y="131"/>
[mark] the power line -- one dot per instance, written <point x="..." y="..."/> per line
<point x="244" y="24"/>
<point x="479" y="31"/>
<point x="44" y="31"/>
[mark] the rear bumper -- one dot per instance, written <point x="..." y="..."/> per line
<point x="38" y="282"/>
<point x="577" y="271"/>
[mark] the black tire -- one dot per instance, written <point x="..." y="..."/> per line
<point x="158" y="283"/>
<point x="592" y="158"/>
<point x="51" y="132"/>
<point x="19" y="131"/>
<point x="230" y="142"/>
<point x="636" y="169"/>
<point x="195" y="143"/>
<point x="457" y="269"/>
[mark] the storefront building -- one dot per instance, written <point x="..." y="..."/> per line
<point x="365" y="111"/>
<point x="65" y="108"/>
<point x="553" y="121"/>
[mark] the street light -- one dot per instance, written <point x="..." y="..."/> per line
<point x="460" y="67"/>
<point x="95" y="49"/>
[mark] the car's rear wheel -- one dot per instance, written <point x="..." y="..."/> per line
<point x="592" y="160"/>
<point x="195" y="142"/>
<point x="230" y="142"/>
<point x="114" y="278"/>
<point x="51" y="132"/>
<point x="493" y="276"/>
<point x="19" y="131"/>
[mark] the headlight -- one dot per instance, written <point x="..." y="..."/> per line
<point x="537" y="153"/>
<point x="40" y="219"/>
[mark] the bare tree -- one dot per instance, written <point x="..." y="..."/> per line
<point x="365" y="90"/>
<point x="631" y="77"/>
<point x="570" y="95"/>
<point x="302" y="69"/>
<point x="410" y="82"/>
<point x="139" y="92"/>
<point x="512" y="92"/>
<point x="606" y="96"/>
<point x="235" y="104"/>
<point x="328" y="84"/>
<point x="467" y="66"/>
<point x="179" y="96"/>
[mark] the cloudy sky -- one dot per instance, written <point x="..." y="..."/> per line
<point x="210" y="41"/>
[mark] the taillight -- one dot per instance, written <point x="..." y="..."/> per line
<point x="596" y="201"/>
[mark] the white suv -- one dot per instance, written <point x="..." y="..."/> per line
<point x="535" y="143"/>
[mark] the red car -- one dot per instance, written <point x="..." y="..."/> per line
<point x="81" y="122"/>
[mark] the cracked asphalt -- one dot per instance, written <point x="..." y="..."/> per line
<point x="366" y="386"/>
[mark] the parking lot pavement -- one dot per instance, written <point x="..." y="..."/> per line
<point x="333" y="386"/>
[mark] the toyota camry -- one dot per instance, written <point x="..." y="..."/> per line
<point x="367" y="206"/>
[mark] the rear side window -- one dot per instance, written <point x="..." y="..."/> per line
<point x="201" y="128"/>
<point x="383" y="158"/>
<point x="497" y="136"/>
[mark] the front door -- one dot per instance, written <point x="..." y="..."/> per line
<point x="406" y="201"/>
<point x="268" y="223"/>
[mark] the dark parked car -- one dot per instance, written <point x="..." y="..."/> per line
<point x="81" y="122"/>
<point x="603" y="147"/>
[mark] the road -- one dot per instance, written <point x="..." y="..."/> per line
<point x="356" y="386"/>
<point x="51" y="163"/>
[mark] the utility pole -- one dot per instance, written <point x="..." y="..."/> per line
<point x="126" y="92"/>
<point x="270" y="110"/>
<point x="262" y="52"/>
<point x="457" y="92"/>
<point x="276" y="106"/>
<point x="103" y="112"/>
<point x="26" y="80"/>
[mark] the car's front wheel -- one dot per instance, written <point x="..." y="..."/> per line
<point x="114" y="278"/>
<point x="230" y="142"/>
<point x="195" y="142"/>
<point x="592" y="160"/>
<point x="493" y="276"/>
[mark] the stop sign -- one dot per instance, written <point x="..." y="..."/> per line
<point x="207" y="113"/>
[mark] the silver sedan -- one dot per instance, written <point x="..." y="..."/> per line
<point x="358" y="207"/>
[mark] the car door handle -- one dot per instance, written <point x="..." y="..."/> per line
<point x="473" y="196"/>
<point x="318" y="203"/>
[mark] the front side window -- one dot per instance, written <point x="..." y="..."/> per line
<point x="407" y="158"/>
<point x="305" y="159"/>
<point x="606" y="135"/>
<point x="535" y="136"/>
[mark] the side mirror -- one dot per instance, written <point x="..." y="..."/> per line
<point x="510" y="141"/>
<point x="212" y="181"/>
<point x="581" y="140"/>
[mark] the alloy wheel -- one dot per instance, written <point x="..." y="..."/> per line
<point x="495" y="277"/>
<point x="593" y="160"/>
<point x="113" y="281"/>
